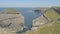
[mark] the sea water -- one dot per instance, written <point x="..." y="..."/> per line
<point x="29" y="16"/>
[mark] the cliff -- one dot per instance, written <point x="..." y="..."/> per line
<point x="49" y="16"/>
<point x="11" y="21"/>
<point x="49" y="28"/>
<point x="48" y="23"/>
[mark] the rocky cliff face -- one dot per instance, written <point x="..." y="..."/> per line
<point x="11" y="21"/>
<point x="38" y="22"/>
<point x="49" y="16"/>
<point x="48" y="23"/>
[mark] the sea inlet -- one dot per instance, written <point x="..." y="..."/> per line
<point x="29" y="15"/>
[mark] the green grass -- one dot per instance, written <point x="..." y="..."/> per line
<point x="51" y="29"/>
<point x="9" y="11"/>
<point x="48" y="29"/>
<point x="53" y="25"/>
<point x="51" y="15"/>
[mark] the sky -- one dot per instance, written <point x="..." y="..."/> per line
<point x="29" y="3"/>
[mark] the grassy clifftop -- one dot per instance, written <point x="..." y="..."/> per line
<point x="51" y="14"/>
<point x="53" y="25"/>
<point x="52" y="28"/>
<point x="9" y="11"/>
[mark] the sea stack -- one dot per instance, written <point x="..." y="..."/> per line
<point x="11" y="21"/>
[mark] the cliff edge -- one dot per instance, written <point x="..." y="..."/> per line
<point x="11" y="21"/>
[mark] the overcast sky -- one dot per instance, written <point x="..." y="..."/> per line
<point x="29" y="3"/>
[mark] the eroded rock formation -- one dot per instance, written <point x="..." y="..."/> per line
<point x="11" y="21"/>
